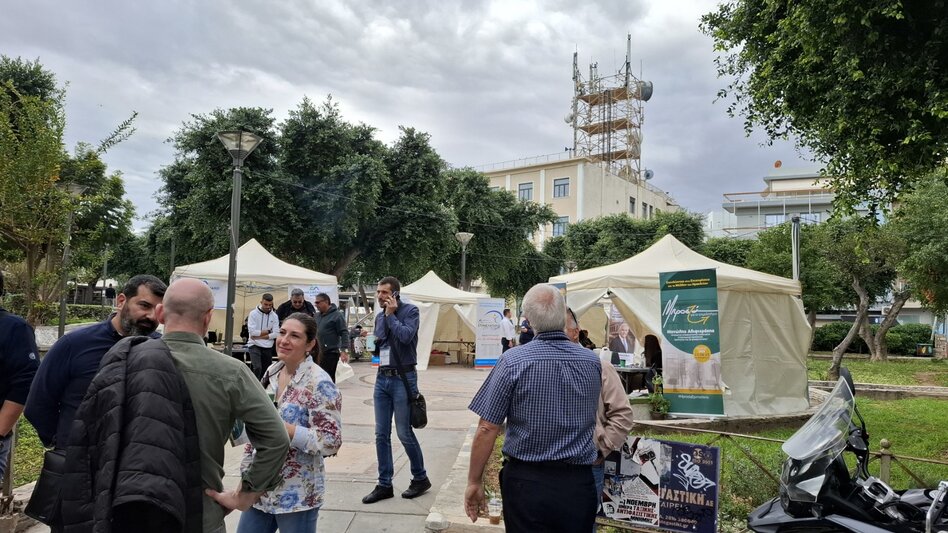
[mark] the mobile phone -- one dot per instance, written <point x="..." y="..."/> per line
<point x="395" y="295"/>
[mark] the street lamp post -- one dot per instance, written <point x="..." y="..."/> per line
<point x="74" y="191"/>
<point x="464" y="237"/>
<point x="239" y="144"/>
<point x="570" y="266"/>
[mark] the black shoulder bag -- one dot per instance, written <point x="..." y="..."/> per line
<point x="44" y="502"/>
<point x="419" y="410"/>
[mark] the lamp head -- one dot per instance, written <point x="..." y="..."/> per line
<point x="239" y="143"/>
<point x="464" y="237"/>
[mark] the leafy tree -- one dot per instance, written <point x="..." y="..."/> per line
<point x="28" y="78"/>
<point x="866" y="254"/>
<point x="501" y="225"/>
<point x="105" y="215"/>
<point x="609" y="239"/>
<point x="727" y="250"/>
<point x="195" y="197"/>
<point x="32" y="209"/>
<point x="921" y="223"/>
<point x="823" y="285"/>
<point x="860" y="84"/>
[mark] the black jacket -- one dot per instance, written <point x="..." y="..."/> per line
<point x="331" y="330"/>
<point x="286" y="309"/>
<point x="133" y="462"/>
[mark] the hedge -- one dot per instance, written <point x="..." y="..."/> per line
<point x="47" y="313"/>
<point x="901" y="339"/>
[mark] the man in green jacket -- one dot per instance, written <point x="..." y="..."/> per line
<point x="222" y="390"/>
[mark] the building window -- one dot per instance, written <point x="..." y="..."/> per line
<point x="560" y="187"/>
<point x="774" y="220"/>
<point x="494" y="189"/>
<point x="810" y="218"/>
<point x="525" y="191"/>
<point x="559" y="227"/>
<point x="650" y="213"/>
<point x="644" y="210"/>
<point x="632" y="205"/>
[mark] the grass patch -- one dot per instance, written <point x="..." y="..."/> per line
<point x="28" y="457"/>
<point x="921" y="371"/>
<point x="915" y="427"/>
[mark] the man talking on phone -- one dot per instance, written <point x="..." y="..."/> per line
<point x="396" y="341"/>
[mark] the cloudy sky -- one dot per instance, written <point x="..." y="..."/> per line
<point x="489" y="80"/>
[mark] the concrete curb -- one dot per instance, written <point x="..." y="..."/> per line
<point x="447" y="513"/>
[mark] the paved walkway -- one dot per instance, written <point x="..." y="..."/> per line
<point x="352" y="473"/>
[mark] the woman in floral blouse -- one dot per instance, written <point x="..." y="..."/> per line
<point x="311" y="408"/>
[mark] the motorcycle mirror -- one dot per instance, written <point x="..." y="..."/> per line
<point x="846" y="375"/>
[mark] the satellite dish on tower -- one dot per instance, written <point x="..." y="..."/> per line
<point x="649" y="174"/>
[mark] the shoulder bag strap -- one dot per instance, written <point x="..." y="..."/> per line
<point x="401" y="372"/>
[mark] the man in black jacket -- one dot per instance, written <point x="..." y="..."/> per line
<point x="333" y="335"/>
<point x="18" y="364"/>
<point x="296" y="304"/>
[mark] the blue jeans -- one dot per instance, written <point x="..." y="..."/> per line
<point x="256" y="521"/>
<point x="6" y="445"/>
<point x="390" y="398"/>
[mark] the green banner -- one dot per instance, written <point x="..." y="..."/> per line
<point x="691" y="346"/>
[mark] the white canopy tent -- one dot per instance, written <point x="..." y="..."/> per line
<point x="763" y="329"/>
<point x="258" y="272"/>
<point x="446" y="313"/>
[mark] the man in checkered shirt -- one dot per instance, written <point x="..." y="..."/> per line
<point x="548" y="391"/>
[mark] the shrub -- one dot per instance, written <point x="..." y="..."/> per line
<point x="901" y="339"/>
<point x="828" y="336"/>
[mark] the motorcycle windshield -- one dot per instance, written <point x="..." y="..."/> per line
<point x="825" y="432"/>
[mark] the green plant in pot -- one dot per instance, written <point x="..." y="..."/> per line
<point x="657" y="401"/>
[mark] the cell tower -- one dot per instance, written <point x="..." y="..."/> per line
<point x="607" y="117"/>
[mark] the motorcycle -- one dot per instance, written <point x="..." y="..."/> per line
<point x="819" y="494"/>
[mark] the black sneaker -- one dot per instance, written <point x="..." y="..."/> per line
<point x="417" y="488"/>
<point x="379" y="493"/>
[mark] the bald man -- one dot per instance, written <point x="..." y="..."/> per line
<point x="222" y="390"/>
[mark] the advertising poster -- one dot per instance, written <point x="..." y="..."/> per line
<point x="691" y="348"/>
<point x="668" y="485"/>
<point x="490" y="313"/>
<point x="621" y="339"/>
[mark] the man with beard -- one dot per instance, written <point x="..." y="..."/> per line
<point x="67" y="370"/>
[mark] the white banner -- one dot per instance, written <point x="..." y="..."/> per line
<point x="490" y="313"/>
<point x="219" y="289"/>
<point x="310" y="292"/>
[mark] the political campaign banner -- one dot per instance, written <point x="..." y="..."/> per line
<point x="487" y="347"/>
<point x="672" y="486"/>
<point x="691" y="347"/>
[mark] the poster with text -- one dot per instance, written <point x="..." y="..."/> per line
<point x="219" y="290"/>
<point x="691" y="348"/>
<point x="490" y="314"/>
<point x="668" y="485"/>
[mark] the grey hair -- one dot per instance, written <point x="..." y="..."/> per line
<point x="296" y="292"/>
<point x="545" y="308"/>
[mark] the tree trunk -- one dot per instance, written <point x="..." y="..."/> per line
<point x="865" y="331"/>
<point x="881" y="346"/>
<point x="343" y="265"/>
<point x="811" y="319"/>
<point x="861" y="311"/>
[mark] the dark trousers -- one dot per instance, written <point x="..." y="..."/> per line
<point x="328" y="360"/>
<point x="550" y="497"/>
<point x="505" y="344"/>
<point x="260" y="359"/>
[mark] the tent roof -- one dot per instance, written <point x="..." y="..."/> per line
<point x="431" y="288"/>
<point x="255" y="264"/>
<point x="669" y="255"/>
